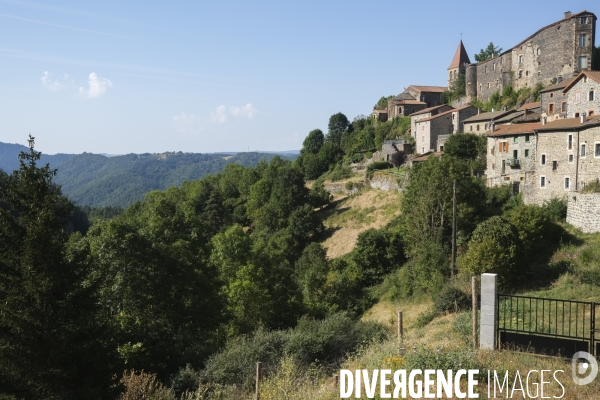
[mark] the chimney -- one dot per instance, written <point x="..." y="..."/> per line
<point x="544" y="121"/>
<point x="568" y="14"/>
<point x="493" y="109"/>
<point x="559" y="79"/>
<point x="582" y="117"/>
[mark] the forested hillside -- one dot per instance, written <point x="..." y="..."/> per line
<point x="98" y="181"/>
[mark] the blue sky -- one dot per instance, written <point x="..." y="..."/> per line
<point x="132" y="77"/>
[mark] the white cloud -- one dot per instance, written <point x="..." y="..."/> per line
<point x="97" y="86"/>
<point x="55" y="84"/>
<point x="187" y="123"/>
<point x="222" y="112"/>
<point x="219" y="115"/>
<point x="247" y="111"/>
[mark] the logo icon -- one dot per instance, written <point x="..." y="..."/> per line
<point x="583" y="363"/>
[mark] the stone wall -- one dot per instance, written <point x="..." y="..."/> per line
<point x="493" y="75"/>
<point x="556" y="97"/>
<point x="384" y="181"/>
<point x="583" y="211"/>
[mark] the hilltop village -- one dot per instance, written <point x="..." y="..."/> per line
<point x="548" y="147"/>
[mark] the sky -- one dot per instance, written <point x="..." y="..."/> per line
<point x="122" y="77"/>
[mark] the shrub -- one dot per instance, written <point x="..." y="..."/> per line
<point x="349" y="185"/>
<point x="592" y="187"/>
<point x="143" y="385"/>
<point x="425" y="318"/>
<point x="377" y="165"/>
<point x="451" y="299"/>
<point x="494" y="247"/>
<point x="536" y="227"/>
<point x="557" y="208"/>
<point x="339" y="172"/>
<point x="186" y="380"/>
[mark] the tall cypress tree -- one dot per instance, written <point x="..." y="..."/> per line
<point x="46" y="334"/>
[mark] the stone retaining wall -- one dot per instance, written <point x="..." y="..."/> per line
<point x="583" y="211"/>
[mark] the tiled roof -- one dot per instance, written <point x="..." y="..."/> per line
<point x="425" y="156"/>
<point x="557" y="86"/>
<point x="595" y="75"/>
<point x="569" y="123"/>
<point x="487" y="116"/>
<point x="513" y="129"/>
<point x="404" y="96"/>
<point x="510" y="117"/>
<point x="426" y="110"/>
<point x="529" y="106"/>
<point x="408" y="102"/>
<point x="460" y="57"/>
<point x="444" y="113"/>
<point x="530" y="117"/>
<point x="434" y="89"/>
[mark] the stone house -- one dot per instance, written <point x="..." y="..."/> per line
<point x="531" y="107"/>
<point x="559" y="50"/>
<point x="380" y="115"/>
<point x="390" y="147"/>
<point x="583" y="95"/>
<point x="479" y="124"/>
<point x="553" y="101"/>
<point x="413" y="99"/>
<point x="511" y="156"/>
<point x="427" y="130"/>
<point x="426" y="113"/>
<point x="568" y="157"/>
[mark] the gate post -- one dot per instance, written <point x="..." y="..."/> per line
<point x="488" y="328"/>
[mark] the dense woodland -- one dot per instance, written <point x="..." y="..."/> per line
<point x="195" y="283"/>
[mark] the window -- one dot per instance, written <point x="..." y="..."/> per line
<point x="526" y="138"/>
<point x="539" y="50"/>
<point x="577" y="97"/>
<point x="583" y="150"/>
<point x="567" y="182"/>
<point x="488" y="85"/>
<point x="477" y="127"/>
<point x="441" y="148"/>
<point x="526" y="73"/>
<point x="583" y="20"/>
<point x="521" y="59"/>
<point x="542" y="181"/>
<point x="551" y="95"/>
<point x="563" y="106"/>
<point x="516" y="139"/>
<point x="485" y="69"/>
<point x="471" y="128"/>
<point x="570" y="158"/>
<point x="515" y="154"/>
<point x="570" y="142"/>
<point x="583" y="62"/>
<point x="597" y="149"/>
<point x="582" y="40"/>
<point x="591" y="96"/>
<point x="526" y="152"/>
<point x="494" y="66"/>
<point x="450" y="75"/>
<point x="591" y="113"/>
<point x="543" y="161"/>
<point x="576" y="115"/>
<point x="551" y="108"/>
<point x="554" y="165"/>
<point x="520" y="74"/>
<point x="423" y="152"/>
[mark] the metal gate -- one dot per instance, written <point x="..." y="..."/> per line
<point x="549" y="326"/>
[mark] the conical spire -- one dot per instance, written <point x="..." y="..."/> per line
<point x="460" y="57"/>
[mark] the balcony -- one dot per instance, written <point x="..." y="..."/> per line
<point x="513" y="162"/>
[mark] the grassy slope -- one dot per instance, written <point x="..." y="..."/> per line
<point x="351" y="215"/>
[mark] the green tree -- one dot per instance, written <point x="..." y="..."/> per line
<point x="313" y="142"/>
<point x="48" y="329"/>
<point x="467" y="147"/>
<point x="456" y="90"/>
<point x="382" y="103"/>
<point x="495" y="247"/>
<point x="337" y="127"/>
<point x="377" y="253"/>
<point x="537" y="230"/>
<point x="487" y="53"/>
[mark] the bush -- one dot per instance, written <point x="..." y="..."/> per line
<point x="377" y="165"/>
<point x="495" y="247"/>
<point x="186" y="380"/>
<point x="592" y="187"/>
<point x="324" y="341"/>
<point x="536" y="227"/>
<point x="557" y="208"/>
<point x="339" y="172"/>
<point x="425" y="318"/>
<point x="349" y="185"/>
<point x="451" y="299"/>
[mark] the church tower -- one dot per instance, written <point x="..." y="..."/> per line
<point x="459" y="63"/>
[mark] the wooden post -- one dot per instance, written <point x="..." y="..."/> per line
<point x="453" y="263"/>
<point x="474" y="306"/>
<point x="400" y="327"/>
<point x="258" y="378"/>
<point x="335" y="380"/>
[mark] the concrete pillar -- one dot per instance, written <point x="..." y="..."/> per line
<point x="489" y="312"/>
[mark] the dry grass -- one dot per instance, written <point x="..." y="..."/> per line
<point x="355" y="214"/>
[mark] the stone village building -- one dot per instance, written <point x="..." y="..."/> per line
<point x="555" y="52"/>
<point x="431" y="132"/>
<point x="413" y="99"/>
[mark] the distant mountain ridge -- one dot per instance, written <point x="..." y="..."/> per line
<point x="120" y="180"/>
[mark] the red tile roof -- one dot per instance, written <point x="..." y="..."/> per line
<point x="557" y="86"/>
<point x="426" y="110"/>
<point x="529" y="106"/>
<point x="460" y="57"/>
<point x="425" y="156"/>
<point x="569" y="123"/>
<point x="444" y="113"/>
<point x="513" y="129"/>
